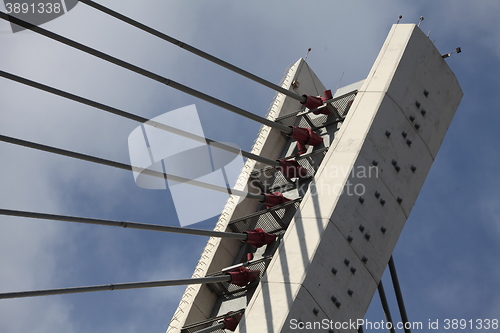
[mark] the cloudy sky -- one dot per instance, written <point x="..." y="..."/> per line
<point x="447" y="256"/>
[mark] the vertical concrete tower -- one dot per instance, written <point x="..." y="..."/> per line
<point x="338" y="232"/>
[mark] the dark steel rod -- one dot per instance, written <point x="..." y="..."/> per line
<point x="146" y="73"/>
<point x="399" y="295"/>
<point x="127" y="167"/>
<point x="194" y="50"/>
<point x="118" y="286"/>
<point x="124" y="224"/>
<point x="134" y="117"/>
<point x="385" y="306"/>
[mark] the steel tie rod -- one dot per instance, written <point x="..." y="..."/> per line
<point x="128" y="167"/>
<point x="194" y="50"/>
<point x="136" y="118"/>
<point x="125" y="224"/>
<point x="385" y="306"/>
<point x="146" y="73"/>
<point x="118" y="286"/>
<point x="399" y="294"/>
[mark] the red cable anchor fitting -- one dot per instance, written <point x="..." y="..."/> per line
<point x="273" y="199"/>
<point x="328" y="108"/>
<point x="314" y="102"/>
<point x="258" y="237"/>
<point x="232" y="321"/>
<point x="242" y="276"/>
<point x="292" y="169"/>
<point x="305" y="136"/>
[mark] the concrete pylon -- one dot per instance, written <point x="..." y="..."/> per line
<point x="322" y="275"/>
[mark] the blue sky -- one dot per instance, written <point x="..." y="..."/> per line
<point x="447" y="256"/>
